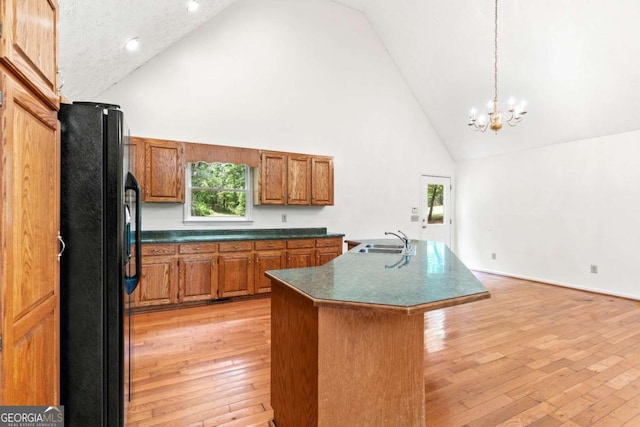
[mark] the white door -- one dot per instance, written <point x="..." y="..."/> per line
<point x="435" y="209"/>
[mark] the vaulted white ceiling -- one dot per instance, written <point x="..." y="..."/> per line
<point x="576" y="62"/>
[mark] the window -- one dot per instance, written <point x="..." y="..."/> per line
<point x="435" y="194"/>
<point x="217" y="192"/>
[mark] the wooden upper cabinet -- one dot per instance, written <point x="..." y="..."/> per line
<point x="298" y="180"/>
<point x="136" y="160"/>
<point x="272" y="186"/>
<point x="163" y="171"/>
<point x="322" y="181"/>
<point x="294" y="179"/>
<point x="29" y="44"/>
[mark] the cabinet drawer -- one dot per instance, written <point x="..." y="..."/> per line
<point x="332" y="241"/>
<point x="265" y="245"/>
<point x="235" y="246"/>
<point x="198" y="248"/>
<point x="151" y="250"/>
<point x="301" y="243"/>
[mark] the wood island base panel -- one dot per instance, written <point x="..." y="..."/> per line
<point x="348" y="337"/>
<point x="344" y="367"/>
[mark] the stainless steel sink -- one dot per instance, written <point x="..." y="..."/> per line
<point x="378" y="250"/>
<point x="383" y="246"/>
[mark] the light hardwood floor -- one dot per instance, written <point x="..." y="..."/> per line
<point x="532" y="355"/>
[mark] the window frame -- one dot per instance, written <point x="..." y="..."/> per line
<point x="246" y="219"/>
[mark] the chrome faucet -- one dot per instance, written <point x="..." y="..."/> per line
<point x="405" y="240"/>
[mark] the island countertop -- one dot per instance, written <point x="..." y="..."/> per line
<point x="432" y="278"/>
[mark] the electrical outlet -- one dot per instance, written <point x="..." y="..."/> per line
<point x="284" y="217"/>
<point x="493" y="255"/>
<point x="594" y="269"/>
<point x="415" y="218"/>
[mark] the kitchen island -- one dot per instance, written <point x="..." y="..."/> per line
<point x="348" y="337"/>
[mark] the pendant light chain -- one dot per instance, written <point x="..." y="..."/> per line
<point x="495" y="63"/>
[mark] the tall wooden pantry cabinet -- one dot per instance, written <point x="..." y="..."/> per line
<point x="29" y="203"/>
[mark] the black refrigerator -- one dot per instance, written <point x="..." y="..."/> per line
<point x="100" y="222"/>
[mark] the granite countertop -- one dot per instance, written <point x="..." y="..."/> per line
<point x="432" y="278"/>
<point x="186" y="236"/>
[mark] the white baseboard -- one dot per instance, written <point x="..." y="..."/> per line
<point x="555" y="283"/>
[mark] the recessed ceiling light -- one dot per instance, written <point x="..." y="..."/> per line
<point x="193" y="6"/>
<point x="132" y="44"/>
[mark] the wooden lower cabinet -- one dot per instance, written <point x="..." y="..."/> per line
<point x="198" y="279"/>
<point x="235" y="269"/>
<point x="267" y="260"/>
<point x="301" y="253"/>
<point x="235" y="274"/>
<point x="328" y="249"/>
<point x="324" y="255"/>
<point x="158" y="282"/>
<point x="173" y="274"/>
<point x="269" y="255"/>
<point x="312" y="252"/>
<point x="301" y="258"/>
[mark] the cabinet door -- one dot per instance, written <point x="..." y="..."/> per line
<point x="322" y="181"/>
<point x="328" y="249"/>
<point x="197" y="279"/>
<point x="324" y="255"/>
<point x="298" y="180"/>
<point x="267" y="260"/>
<point x="235" y="274"/>
<point x="29" y="268"/>
<point x="157" y="282"/>
<point x="299" y="258"/>
<point x="164" y="171"/>
<point x="273" y="178"/>
<point x="136" y="160"/>
<point x="29" y="44"/>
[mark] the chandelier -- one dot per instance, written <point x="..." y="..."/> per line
<point x="512" y="116"/>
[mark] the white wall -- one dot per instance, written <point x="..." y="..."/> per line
<point x="552" y="212"/>
<point x="307" y="76"/>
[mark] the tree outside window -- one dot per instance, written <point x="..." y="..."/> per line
<point x="218" y="191"/>
<point x="435" y="194"/>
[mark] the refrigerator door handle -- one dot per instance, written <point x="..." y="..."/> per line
<point x="64" y="246"/>
<point x="131" y="282"/>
